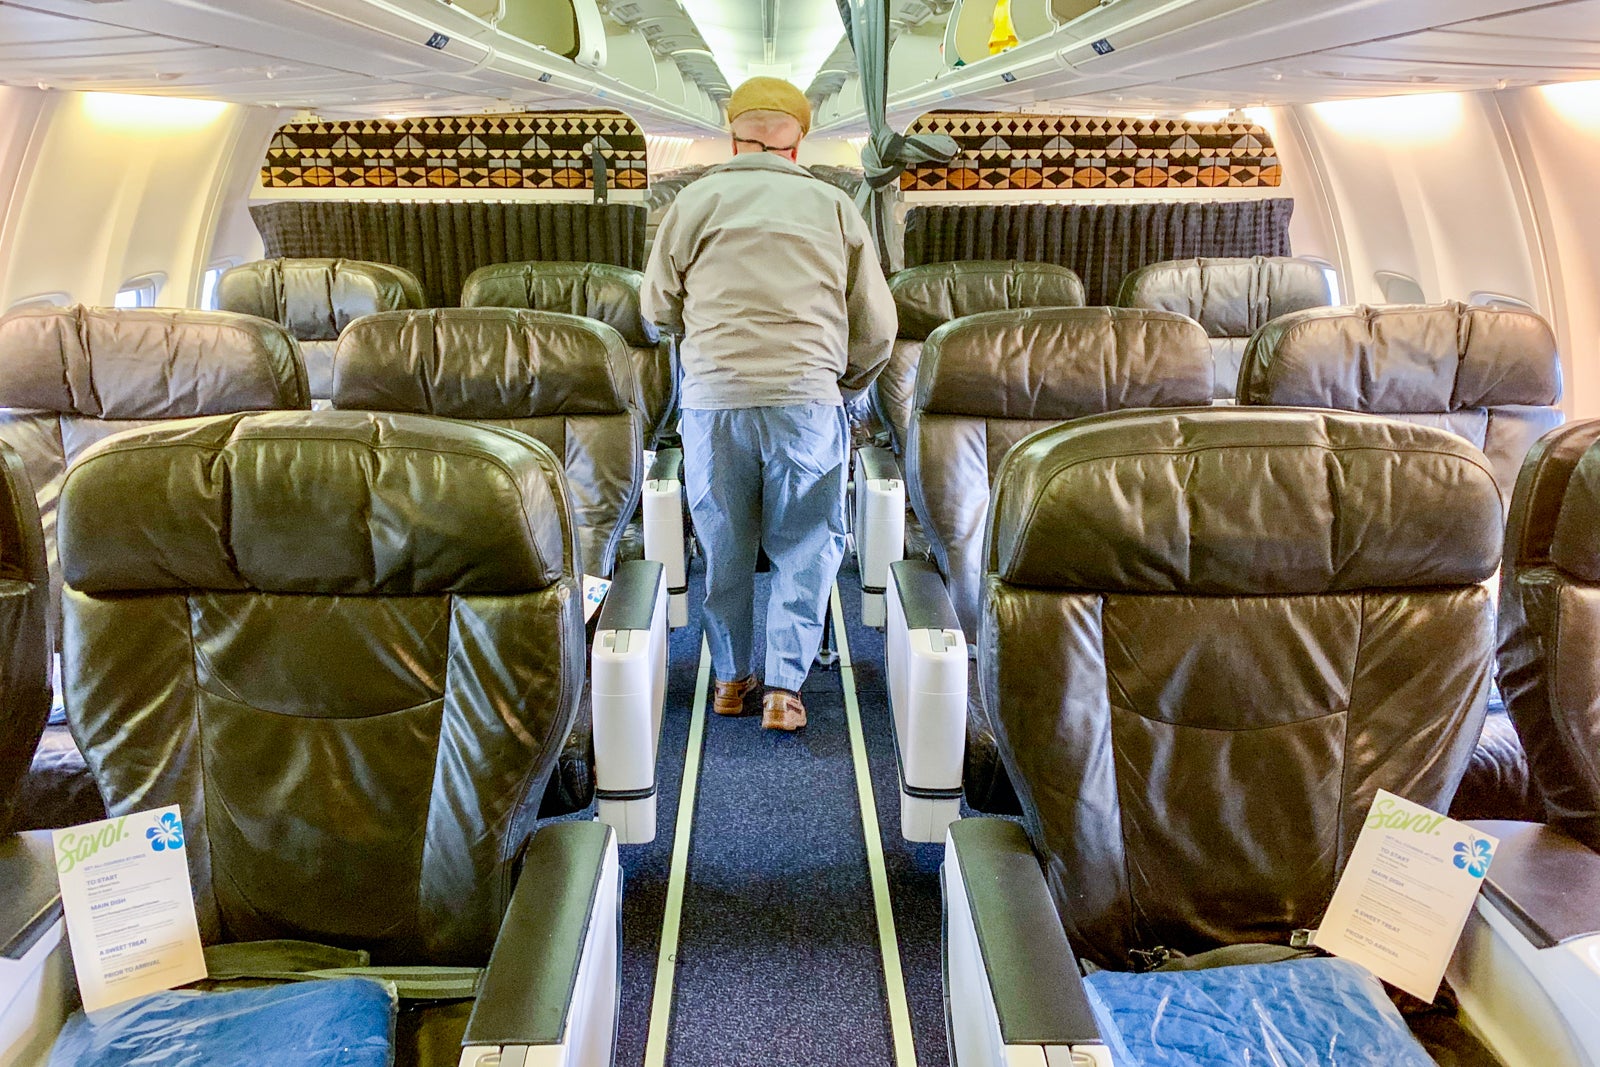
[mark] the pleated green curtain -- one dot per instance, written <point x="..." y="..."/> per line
<point x="443" y="242"/>
<point x="1101" y="242"/>
<point x="887" y="153"/>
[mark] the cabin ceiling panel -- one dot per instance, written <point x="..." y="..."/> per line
<point x="336" y="55"/>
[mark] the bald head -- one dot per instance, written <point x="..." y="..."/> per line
<point x="774" y="129"/>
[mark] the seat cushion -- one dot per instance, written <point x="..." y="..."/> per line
<point x="1310" y="1012"/>
<point x="58" y="789"/>
<point x="1498" y="783"/>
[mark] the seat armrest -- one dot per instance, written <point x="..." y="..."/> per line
<point x="1545" y="882"/>
<point x="630" y="604"/>
<point x="31" y="901"/>
<point x="552" y="978"/>
<point x="878" y="524"/>
<point x="667" y="466"/>
<point x="878" y="464"/>
<point x="925" y="664"/>
<point x="1527" y="968"/>
<point x="664" y="539"/>
<point x="924" y="601"/>
<point x="995" y="888"/>
<point x="627" y="692"/>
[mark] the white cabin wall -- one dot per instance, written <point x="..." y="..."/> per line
<point x="22" y="113"/>
<point x="235" y="238"/>
<point x="116" y="187"/>
<point x="1426" y="186"/>
<point x="1556" y="134"/>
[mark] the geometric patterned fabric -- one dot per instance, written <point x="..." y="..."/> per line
<point x="536" y="150"/>
<point x="1048" y="152"/>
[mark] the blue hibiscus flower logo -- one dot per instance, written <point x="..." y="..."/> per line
<point x="1474" y="858"/>
<point x="166" y="834"/>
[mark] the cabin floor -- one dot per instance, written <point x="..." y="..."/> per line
<point x="781" y="940"/>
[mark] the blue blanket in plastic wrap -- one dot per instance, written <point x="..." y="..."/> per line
<point x="340" y="1022"/>
<point x="1297" y="1013"/>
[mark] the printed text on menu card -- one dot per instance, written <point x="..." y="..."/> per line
<point x="1405" y="894"/>
<point x="129" y="907"/>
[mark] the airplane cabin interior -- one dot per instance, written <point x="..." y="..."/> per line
<point x="1212" y="674"/>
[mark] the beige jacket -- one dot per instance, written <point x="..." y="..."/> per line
<point x="772" y="276"/>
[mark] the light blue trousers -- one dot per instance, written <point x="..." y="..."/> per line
<point x="772" y="477"/>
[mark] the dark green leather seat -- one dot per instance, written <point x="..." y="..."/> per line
<point x="350" y="646"/>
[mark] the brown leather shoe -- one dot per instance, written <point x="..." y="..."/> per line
<point x="782" y="710"/>
<point x="733" y="698"/>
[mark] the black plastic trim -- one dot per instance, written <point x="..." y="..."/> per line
<point x="631" y="601"/>
<point x="626" y="794"/>
<point x="533" y="972"/>
<point x="1546" y="883"/>
<point x="31" y="902"/>
<point x="924" y="600"/>
<point x="1032" y="971"/>
<point x="677" y="590"/>
<point x="879" y="464"/>
<point x="667" y="466"/>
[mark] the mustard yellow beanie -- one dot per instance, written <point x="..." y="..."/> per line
<point x="771" y="94"/>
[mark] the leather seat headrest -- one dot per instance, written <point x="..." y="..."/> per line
<point x="1575" y="547"/>
<point x="1403" y="359"/>
<point x="317" y="298"/>
<point x="599" y="291"/>
<point x="1229" y="297"/>
<point x="483" y="363"/>
<point x="331" y="502"/>
<point x="150" y="363"/>
<point x="1063" y="363"/>
<point x="1244" y="501"/>
<point x="933" y="294"/>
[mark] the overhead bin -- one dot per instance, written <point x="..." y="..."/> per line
<point x="669" y="82"/>
<point x="569" y="28"/>
<point x="913" y="60"/>
<point x="629" y="59"/>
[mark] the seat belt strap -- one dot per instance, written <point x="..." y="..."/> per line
<point x="302" y="961"/>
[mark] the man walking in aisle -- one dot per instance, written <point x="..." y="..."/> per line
<point x="772" y="275"/>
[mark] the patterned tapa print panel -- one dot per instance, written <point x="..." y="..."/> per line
<point x="538" y="150"/>
<point x="1049" y="152"/>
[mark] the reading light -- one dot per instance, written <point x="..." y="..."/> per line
<point x="141" y="113"/>
<point x="1425" y="117"/>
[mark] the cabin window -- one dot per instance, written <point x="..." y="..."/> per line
<point x="1399" y="288"/>
<point x="1330" y="274"/>
<point x="42" y="300"/>
<point x="139" y="292"/>
<point x="209" y="282"/>
<point x="1486" y="299"/>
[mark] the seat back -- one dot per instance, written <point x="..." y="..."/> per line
<point x="933" y="294"/>
<point x="1550" y="620"/>
<point x="986" y="381"/>
<point x="315" y="299"/>
<point x="72" y="376"/>
<point x="562" y="379"/>
<point x="1231" y="298"/>
<point x="24" y="644"/>
<point x="1491" y="375"/>
<point x="1210" y="637"/>
<point x="599" y="291"/>
<point x="349" y="645"/>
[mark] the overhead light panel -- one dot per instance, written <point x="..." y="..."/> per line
<point x="1423" y="118"/>
<point x="132" y="113"/>
<point x="786" y="39"/>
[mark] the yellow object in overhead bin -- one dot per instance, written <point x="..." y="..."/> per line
<point x="1005" y="34"/>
